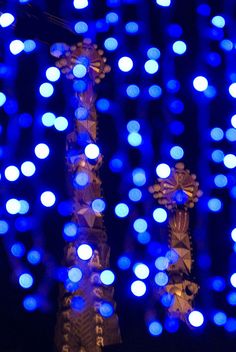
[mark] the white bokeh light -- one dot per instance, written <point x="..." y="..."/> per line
<point x="230" y="161"/>
<point x="232" y="90"/>
<point x="125" y="64"/>
<point x="13" y="206"/>
<point x="196" y="318"/>
<point x="6" y="19"/>
<point x="200" y="83"/>
<point x="163" y="170"/>
<point x="16" y="47"/>
<point x="41" y="151"/>
<point x="48" y="199"/>
<point x="84" y="252"/>
<point x="138" y="288"/>
<point x="92" y="151"/>
<point x="233" y="280"/>
<point x="80" y="4"/>
<point x="12" y="173"/>
<point x="28" y="168"/>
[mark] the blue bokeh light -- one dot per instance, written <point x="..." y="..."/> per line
<point x="61" y="123"/>
<point x="217" y="156"/>
<point x="133" y="91"/>
<point x="106" y="309"/>
<point x="220" y="318"/>
<point x="34" y="257"/>
<point x="214" y="204"/>
<point x="196" y="318"/>
<point x="111" y="44"/>
<point x="179" y="47"/>
<point x="70" y="230"/>
<point x="30" y="303"/>
<point x="161" y="279"/>
<point x="46" y="90"/>
<point x="144" y="237"/>
<point x="81" y="27"/>
<point x="26" y="280"/>
<point x="125" y="64"/>
<point x="177" y="152"/>
<point x="80" y="4"/>
<point x="75" y="274"/>
<point x="159" y="215"/>
<point x="2" y="99"/>
<point x="161" y="263"/>
<point x="153" y="53"/>
<point x="16" y="46"/>
<point x="107" y="277"/>
<point x="155" y="328"/>
<point x="140" y="225"/>
<point x="132" y="27"/>
<point x="217" y="134"/>
<point x="135" y="194"/>
<point x="121" y="210"/>
<point x="124" y="263"/>
<point x="220" y="180"/>
<point x="98" y="205"/>
<point x="155" y="91"/>
<point x="218" y="21"/>
<point x="133" y="126"/>
<point x="164" y="3"/>
<point x="84" y="251"/>
<point x="79" y="70"/>
<point x="3" y="227"/>
<point x="92" y="151"/>
<point x="48" y="119"/>
<point x="163" y="170"/>
<point x="151" y="66"/>
<point x="230" y="161"/>
<point x="134" y="139"/>
<point x="53" y="74"/>
<point x="139" y="177"/>
<point x="112" y="17"/>
<point x="231" y="134"/>
<point x="18" y="250"/>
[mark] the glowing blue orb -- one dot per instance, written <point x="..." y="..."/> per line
<point x="61" y="123"/>
<point x="28" y="168"/>
<point x="141" y="270"/>
<point x="112" y="17"/>
<point x="139" y="177"/>
<point x="133" y="91"/>
<point x="218" y="21"/>
<point x="153" y="53"/>
<point x="92" y="151"/>
<point x="13" y="206"/>
<point x="151" y="66"/>
<point x="79" y="71"/>
<point x="196" y="318"/>
<point x="233" y="280"/>
<point x="111" y="44"/>
<point x="218" y="284"/>
<point x="179" y="47"/>
<point x="134" y="139"/>
<point x="122" y="210"/>
<point x="161" y="279"/>
<point x="6" y="19"/>
<point x="163" y="170"/>
<point x="133" y="126"/>
<point x="217" y="156"/>
<point x="217" y="134"/>
<point x="75" y="274"/>
<point x="53" y="74"/>
<point x="177" y="152"/>
<point x="214" y="204"/>
<point x="131" y="27"/>
<point x="81" y="27"/>
<point x="231" y="134"/>
<point x="3" y="227"/>
<point x="231" y="298"/>
<point x="175" y="30"/>
<point x="2" y="99"/>
<point x="78" y="303"/>
<point x="125" y="64"/>
<point x="16" y="47"/>
<point x="30" y="303"/>
<point x="155" y="91"/>
<point x="161" y="263"/>
<point x="12" y="173"/>
<point x="138" y="288"/>
<point x="29" y="45"/>
<point x="34" y="257"/>
<point x="24" y="207"/>
<point x="80" y="4"/>
<point x="172" y="256"/>
<point x="81" y="113"/>
<point x="230" y="161"/>
<point x="159" y="215"/>
<point x="233" y="234"/>
<point x="107" y="277"/>
<point x="226" y="45"/>
<point x="46" y="90"/>
<point x="220" y="180"/>
<point x="116" y="164"/>
<point x="103" y="105"/>
<point x="81" y="179"/>
<point x="84" y="252"/>
<point x="200" y="83"/>
<point x="155" y="328"/>
<point x="204" y="9"/>
<point x="18" y="249"/>
<point x="48" y="199"/>
<point x="48" y="119"/>
<point x="70" y="229"/>
<point x="140" y="225"/>
<point x="167" y="299"/>
<point x="106" y="310"/>
<point x="164" y="3"/>
<point x="80" y="86"/>
<point x="171" y="324"/>
<point x="144" y="237"/>
<point x="26" y="280"/>
<point x="135" y="194"/>
<point x="98" y="205"/>
<point x="220" y="318"/>
<point x="124" y="263"/>
<point x="230" y="325"/>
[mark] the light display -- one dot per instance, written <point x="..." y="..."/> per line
<point x="170" y="97"/>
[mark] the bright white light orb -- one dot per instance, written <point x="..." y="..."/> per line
<point x="12" y="173"/>
<point x="48" y="199"/>
<point x="48" y="119"/>
<point x="107" y="277"/>
<point x="41" y="151"/>
<point x="151" y="66"/>
<point x="125" y="64"/>
<point x="159" y="215"/>
<point x="163" y="170"/>
<point x="196" y="318"/>
<point x="138" y="288"/>
<point x="6" y="19"/>
<point x="28" y="168"/>
<point x="141" y="270"/>
<point x="233" y="121"/>
<point x="230" y="161"/>
<point x="200" y="83"/>
<point x="179" y="47"/>
<point x="84" y="252"/>
<point x="92" y="151"/>
<point x="61" y="123"/>
<point x="233" y="280"/>
<point x="53" y="74"/>
<point x="232" y="90"/>
<point x="13" y="206"/>
<point x="233" y="234"/>
<point x="46" y="90"/>
<point x="16" y="47"/>
<point x="80" y="4"/>
<point x="164" y="3"/>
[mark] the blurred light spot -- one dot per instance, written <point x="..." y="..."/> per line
<point x="75" y="274"/>
<point x="28" y="168"/>
<point x="48" y="199"/>
<point x="3" y="227"/>
<point x="131" y="27"/>
<point x="230" y="325"/>
<point x="6" y="19"/>
<point x="163" y="170"/>
<point x="112" y="17"/>
<point x="179" y="47"/>
<point x="140" y="225"/>
<point x="144" y="237"/>
<point x="124" y="263"/>
<point x="153" y="53"/>
<point x="111" y="44"/>
<point x="231" y="298"/>
<point x="103" y="104"/>
<point x="220" y="180"/>
<point x="24" y="207"/>
<point x="78" y="303"/>
<point x="81" y="179"/>
<point x="70" y="229"/>
<point x="81" y="27"/>
<point x="167" y="299"/>
<point x="133" y="126"/>
<point x="125" y="64"/>
<point x="220" y="318"/>
<point x="106" y="310"/>
<point x="30" y="303"/>
<point x="61" y="123"/>
<point x="233" y="234"/>
<point x="80" y="4"/>
<point x="53" y="74"/>
<point x="217" y="134"/>
<point x="161" y="279"/>
<point x="13" y="206"/>
<point x="226" y="45"/>
<point x="214" y="204"/>
<point x="155" y="328"/>
<point x="92" y="151"/>
<point x="164" y="3"/>
<point x="18" y="249"/>
<point x="46" y="90"/>
<point x="155" y="91"/>
<point x="159" y="215"/>
<point x="79" y="71"/>
<point x="200" y="83"/>
<point x="98" y="205"/>
<point x="34" y="257"/>
<point x="16" y="46"/>
<point x="233" y="280"/>
<point x="141" y="270"/>
<point x="231" y="134"/>
<point x="177" y="152"/>
<point x="84" y="252"/>
<point x="230" y="161"/>
<point x="134" y="139"/>
<point x="139" y="177"/>
<point x="12" y="173"/>
<point x="132" y="91"/>
<point x="116" y="164"/>
<point x="2" y="99"/>
<point x="26" y="280"/>
<point x="162" y="263"/>
<point x="232" y="90"/>
<point x="121" y="210"/>
<point x="48" y="119"/>
<point x="171" y="324"/>
<point x="107" y="277"/>
<point x="196" y="318"/>
<point x="151" y="66"/>
<point x="135" y="194"/>
<point x="218" y="21"/>
<point x="138" y="288"/>
<point x="217" y="156"/>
